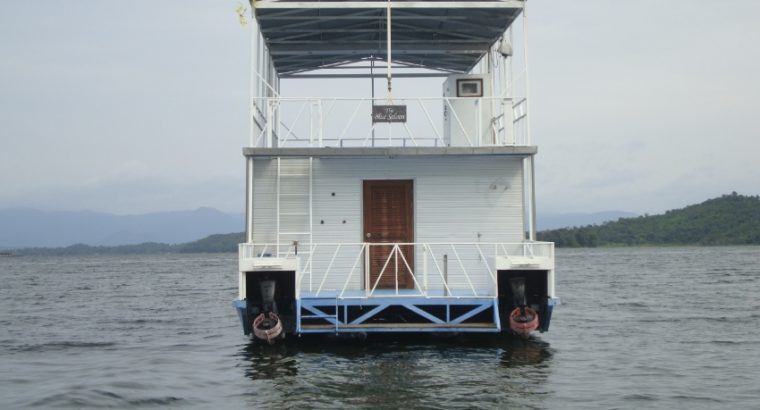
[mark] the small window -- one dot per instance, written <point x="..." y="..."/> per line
<point x="470" y="87"/>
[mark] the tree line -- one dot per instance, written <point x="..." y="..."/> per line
<point x="727" y="220"/>
<point x="210" y="244"/>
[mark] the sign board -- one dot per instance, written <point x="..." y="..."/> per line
<point x="388" y="113"/>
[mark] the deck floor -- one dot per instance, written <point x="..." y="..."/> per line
<point x="485" y="325"/>
<point x="378" y="293"/>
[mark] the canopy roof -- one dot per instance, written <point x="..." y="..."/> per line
<point x="442" y="35"/>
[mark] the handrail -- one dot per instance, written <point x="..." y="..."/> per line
<point x="341" y="121"/>
<point x="336" y="266"/>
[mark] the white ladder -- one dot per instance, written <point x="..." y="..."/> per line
<point x="294" y="205"/>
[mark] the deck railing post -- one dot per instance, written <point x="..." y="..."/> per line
<point x="269" y="128"/>
<point x="509" y="121"/>
<point x="446" y="275"/>
<point x="479" y="125"/>
<point x="320" y="123"/>
<point x="367" y="248"/>
<point x="312" y="120"/>
<point x="424" y="270"/>
<point x="395" y="262"/>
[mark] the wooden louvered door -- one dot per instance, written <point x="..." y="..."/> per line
<point x="388" y="218"/>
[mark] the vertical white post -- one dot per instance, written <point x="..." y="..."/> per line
<point x="509" y="121"/>
<point x="446" y="275"/>
<point x="320" y="123"/>
<point x="311" y="267"/>
<point x="479" y="102"/>
<point x="241" y="285"/>
<point x="529" y="197"/>
<point x="249" y="200"/>
<point x="367" y="284"/>
<point x="277" y="210"/>
<point x="550" y="283"/>
<point x="254" y="89"/>
<point x="262" y="92"/>
<point x="425" y="269"/>
<point x="532" y="198"/>
<point x="311" y="204"/>
<point x="397" y="250"/>
<point x="524" y="199"/>
<point x="388" y="41"/>
<point x="278" y="123"/>
<point x="312" y="126"/>
<point x="492" y="79"/>
<point x="550" y="279"/>
<point x="269" y="119"/>
<point x="528" y="139"/>
<point x="251" y="85"/>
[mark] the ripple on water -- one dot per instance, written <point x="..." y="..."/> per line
<point x="60" y="346"/>
<point x="638" y="328"/>
<point x="103" y="398"/>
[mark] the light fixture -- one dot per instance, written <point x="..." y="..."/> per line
<point x="505" y="49"/>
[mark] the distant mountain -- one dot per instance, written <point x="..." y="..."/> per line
<point x="728" y="220"/>
<point x="549" y="220"/>
<point x="24" y="228"/>
<point x="226" y="242"/>
<point x="217" y="243"/>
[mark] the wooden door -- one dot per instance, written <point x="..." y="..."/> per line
<point x="388" y="218"/>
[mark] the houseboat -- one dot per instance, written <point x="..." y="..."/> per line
<point x="386" y="212"/>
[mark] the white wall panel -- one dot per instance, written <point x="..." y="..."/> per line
<point x="456" y="199"/>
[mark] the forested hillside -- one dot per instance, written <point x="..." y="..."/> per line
<point x="210" y="244"/>
<point x="728" y="220"/>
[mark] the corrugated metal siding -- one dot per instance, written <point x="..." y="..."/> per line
<point x="456" y="199"/>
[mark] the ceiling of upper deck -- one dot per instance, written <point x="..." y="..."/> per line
<point x="450" y="36"/>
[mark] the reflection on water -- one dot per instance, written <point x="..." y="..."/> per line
<point x="532" y="352"/>
<point x="406" y="373"/>
<point x="268" y="362"/>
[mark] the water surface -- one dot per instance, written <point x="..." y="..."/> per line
<point x="638" y="328"/>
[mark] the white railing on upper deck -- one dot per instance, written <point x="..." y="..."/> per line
<point x="437" y="269"/>
<point x="346" y="122"/>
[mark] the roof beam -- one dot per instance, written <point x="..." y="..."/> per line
<point x="352" y="49"/>
<point x="498" y="4"/>
<point x="398" y="30"/>
<point x="356" y="40"/>
<point x="343" y="75"/>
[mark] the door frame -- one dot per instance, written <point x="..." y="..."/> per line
<point x="410" y="186"/>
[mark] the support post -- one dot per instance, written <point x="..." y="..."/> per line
<point x="528" y="139"/>
<point x="255" y="128"/>
<point x="269" y="125"/>
<point x="367" y="284"/>
<point x="372" y="79"/>
<point x="249" y="201"/>
<point x="388" y="43"/>
<point x="532" y="198"/>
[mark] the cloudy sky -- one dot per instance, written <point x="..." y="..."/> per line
<point x="140" y="106"/>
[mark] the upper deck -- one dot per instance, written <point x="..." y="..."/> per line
<point x="473" y="47"/>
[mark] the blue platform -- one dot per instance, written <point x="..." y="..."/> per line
<point x="431" y="314"/>
<point x="411" y="314"/>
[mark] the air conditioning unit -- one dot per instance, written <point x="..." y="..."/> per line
<point x="467" y="111"/>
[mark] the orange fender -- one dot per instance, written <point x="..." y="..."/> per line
<point x="267" y="334"/>
<point x="523" y="324"/>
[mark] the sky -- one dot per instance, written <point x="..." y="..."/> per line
<point x="141" y="106"/>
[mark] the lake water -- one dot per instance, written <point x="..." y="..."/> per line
<point x="638" y="328"/>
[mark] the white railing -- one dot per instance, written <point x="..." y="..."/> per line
<point x="347" y="270"/>
<point x="346" y="122"/>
